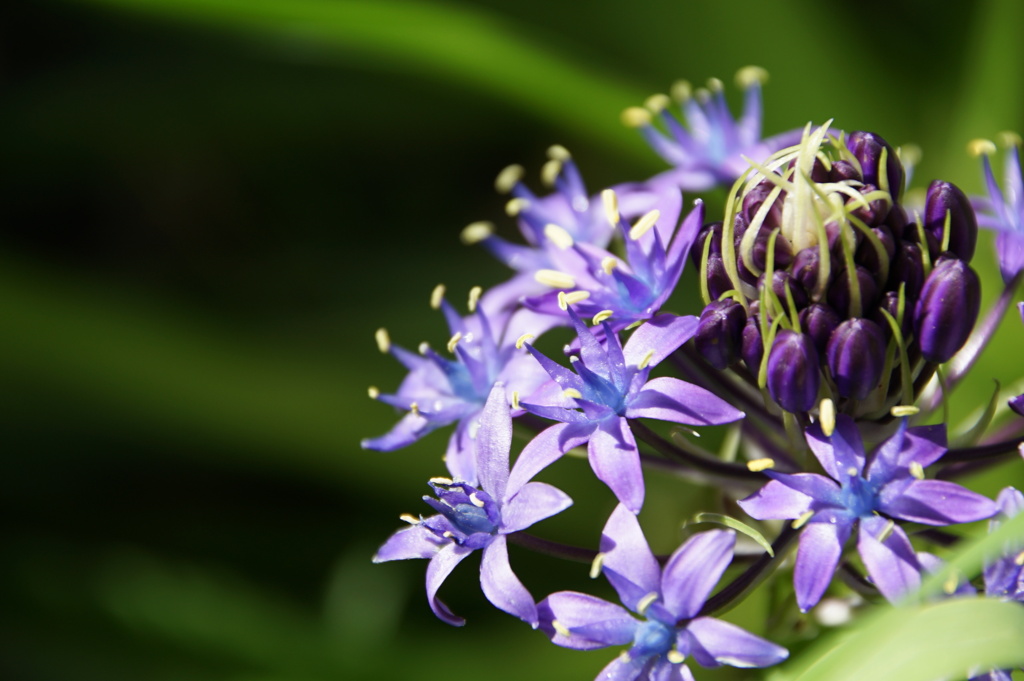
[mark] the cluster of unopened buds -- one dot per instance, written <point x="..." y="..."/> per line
<point x="837" y="318"/>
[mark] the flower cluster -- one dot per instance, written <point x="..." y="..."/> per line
<point x="834" y="322"/>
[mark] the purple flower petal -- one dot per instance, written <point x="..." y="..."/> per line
<point x="937" y="502"/>
<point x="721" y="643"/>
<point x="460" y="456"/>
<point x="923" y="444"/>
<point x="840" y="452"/>
<point x="776" y="501"/>
<point x="441" y="565"/>
<point x="670" y="399"/>
<point x="616" y="461"/>
<point x="821" y="546"/>
<point x="591" y="622"/>
<point x="625" y="669"/>
<point x="891" y="563"/>
<point x="500" y="585"/>
<point x="534" y="502"/>
<point x="543" y="450"/>
<point x="667" y="671"/>
<point x="415" y="541"/>
<point x="628" y="558"/>
<point x="661" y="335"/>
<point x="493" y="441"/>
<point x="694" y="569"/>
<point x="1010" y="502"/>
<point x="409" y="428"/>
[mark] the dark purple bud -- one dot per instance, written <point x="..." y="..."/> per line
<point x="844" y="170"/>
<point x="783" y="251"/>
<point x="839" y="292"/>
<point x="867" y="255"/>
<point x="781" y="280"/>
<point x="867" y="147"/>
<point x="890" y="303"/>
<point x="897" y="219"/>
<point x="875" y="212"/>
<point x="805" y="268"/>
<point x="949" y="306"/>
<point x="856" y="357"/>
<point x="720" y="332"/>
<point x="1017" y="404"/>
<point x="793" y="371"/>
<point x="907" y="268"/>
<point x="819" y="321"/>
<point x="912" y="234"/>
<point x="818" y="171"/>
<point x="753" y="200"/>
<point x="752" y="347"/>
<point x="717" y="278"/>
<point x="697" y="252"/>
<point x="963" y="226"/>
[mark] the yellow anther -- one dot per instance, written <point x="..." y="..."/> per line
<point x="556" y="152"/>
<point x="559" y="236"/>
<point x="453" y="341"/>
<point x="715" y="85"/>
<point x="657" y="103"/>
<point x="522" y="339"/>
<point x="910" y="154"/>
<point x="508" y="178"/>
<point x="409" y="518"/>
<point x="596" y="566"/>
<point x="516" y="206"/>
<point x="611" y="206"/>
<point x="436" y="296"/>
<point x="572" y="393"/>
<point x="675" y="657"/>
<point x="702" y="94"/>
<point x="901" y="410"/>
<point x="681" y="90"/>
<point x="635" y="117"/>
<point x="373" y="391"/>
<point x="476" y="501"/>
<point x="645" y="360"/>
<point x="758" y="465"/>
<point x="571" y="298"/>
<point x="609" y="263"/>
<point x="474" y="297"/>
<point x="550" y="171"/>
<point x="917" y="470"/>
<point x="448" y="534"/>
<point x="1019" y="560"/>
<point x="851" y="471"/>
<point x="414" y="407"/>
<point x="749" y="75"/>
<point x="423" y="348"/>
<point x="644" y="224"/>
<point x="560" y="628"/>
<point x="601" y="316"/>
<point x="827" y="416"/>
<point x="645" y="602"/>
<point x="515" y="400"/>
<point x="802" y="520"/>
<point x="1009" y="139"/>
<point x="554" y="279"/>
<point x="441" y="480"/>
<point x="476" y="232"/>
<point x="981" y="147"/>
<point x="949" y="586"/>
<point x="383" y="340"/>
<point x="886" y="531"/>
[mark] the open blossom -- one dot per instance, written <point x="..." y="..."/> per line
<point x="712" y="148"/>
<point x="439" y="391"/>
<point x="608" y="386"/>
<point x="891" y="488"/>
<point x="478" y="518"/>
<point x="1003" y="209"/>
<point x="661" y="622"/>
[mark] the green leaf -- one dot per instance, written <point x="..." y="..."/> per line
<point x="720" y="519"/>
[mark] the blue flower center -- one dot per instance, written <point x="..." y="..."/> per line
<point x="859" y="496"/>
<point x="653" y="638"/>
<point x="471" y="519"/>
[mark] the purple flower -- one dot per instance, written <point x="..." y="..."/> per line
<point x="440" y="391"/>
<point x="709" y="150"/>
<point x="1003" y="210"/>
<point x="471" y="518"/>
<point x="667" y="628"/>
<point x="892" y="488"/>
<point x="608" y="386"/>
<point x="606" y="287"/>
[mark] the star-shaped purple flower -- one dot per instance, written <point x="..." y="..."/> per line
<point x="892" y="488"/>
<point x="1003" y="209"/>
<point x="666" y="628"/>
<point x="439" y="391"/>
<point x="608" y="386"/>
<point x="471" y="518"/>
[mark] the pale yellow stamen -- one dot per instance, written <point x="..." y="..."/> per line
<point x="644" y="224"/>
<point x="550" y="171"/>
<point x="476" y="501"/>
<point x="646" y="601"/>
<point x="886" y="531"/>
<point x="383" y="340"/>
<point x="827" y="417"/>
<point x="453" y="341"/>
<point x="949" y="586"/>
<point x="436" y="296"/>
<point x="373" y="391"/>
<point x="567" y="299"/>
<point x="917" y="470"/>
<point x="609" y="263"/>
<point x="657" y="103"/>
<point x="715" y="85"/>
<point x="572" y="393"/>
<point x="1019" y="560"/>
<point x="474" y="297"/>
<point x="645" y="360"/>
<point x="1009" y="139"/>
<point x="516" y="206"/>
<point x="448" y="534"/>
<point x="554" y="279"/>
<point x="601" y="316"/>
<point x="635" y="117"/>
<point x="802" y="520"/>
<point x="981" y="147"/>
<point x="522" y="339"/>
<point x="758" y="465"/>
<point x="515" y="400"/>
<point x="611" y="206"/>
<point x="556" y="152"/>
<point x="901" y="410"/>
<point x="681" y="90"/>
<point x="596" y="566"/>
<point x="441" y="481"/>
<point x="508" y="178"/>
<point x="749" y="75"/>
<point x="409" y="518"/>
<point x="675" y="657"/>
<point x="423" y="348"/>
<point x="414" y="407"/>
<point x="559" y="236"/>
<point x="560" y="628"/>
<point x="476" y="232"/>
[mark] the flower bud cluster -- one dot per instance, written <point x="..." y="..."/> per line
<point x="820" y="283"/>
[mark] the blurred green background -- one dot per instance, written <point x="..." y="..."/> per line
<point x="208" y="206"/>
